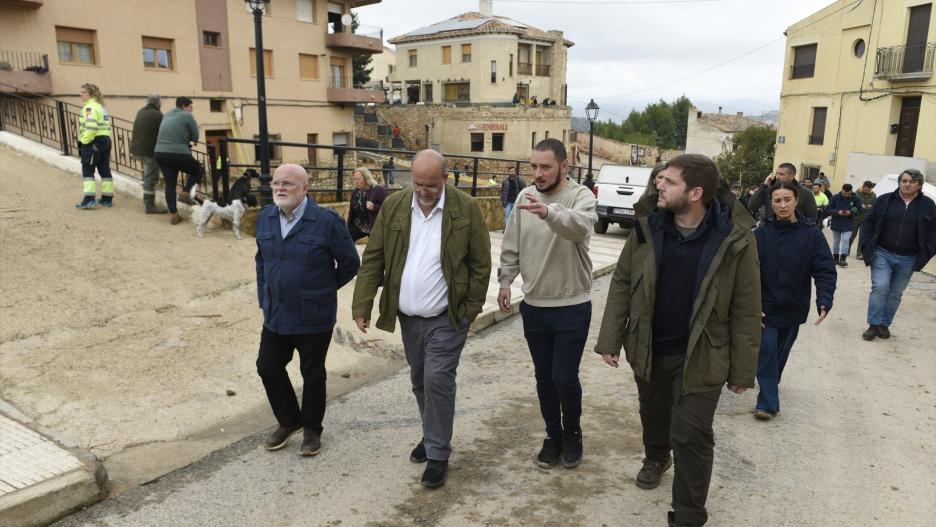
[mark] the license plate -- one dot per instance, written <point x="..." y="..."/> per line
<point x="629" y="212"/>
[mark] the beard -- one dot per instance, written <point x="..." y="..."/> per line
<point x="546" y="189"/>
<point x="676" y="206"/>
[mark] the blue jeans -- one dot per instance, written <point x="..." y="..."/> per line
<point x="507" y="210"/>
<point x="890" y="274"/>
<point x="556" y="337"/>
<point x="775" y="347"/>
<point x="840" y="241"/>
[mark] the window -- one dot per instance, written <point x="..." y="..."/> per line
<point x="547" y="135"/>
<point x="340" y="139"/>
<point x="817" y="136"/>
<point x="412" y="58"/>
<point x="859" y="48"/>
<point x="305" y="10"/>
<point x="275" y="152"/>
<point x="466" y="53"/>
<point x="267" y="62"/>
<point x="446" y="54"/>
<point x="477" y="142"/>
<point x="497" y="142"/>
<point x="428" y="96"/>
<point x="533" y="141"/>
<point x="216" y="105"/>
<point x="457" y="92"/>
<point x="510" y="68"/>
<point x="308" y="67"/>
<point x="312" y="139"/>
<point x="211" y="39"/>
<point x="523" y="90"/>
<point x="75" y="46"/>
<point x="804" y="62"/>
<point x="157" y="53"/>
<point x="339" y="77"/>
<point x="493" y="71"/>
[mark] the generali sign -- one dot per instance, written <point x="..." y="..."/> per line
<point x="487" y="127"/>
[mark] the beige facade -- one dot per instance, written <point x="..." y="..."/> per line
<point x="711" y="134"/>
<point x="477" y="57"/>
<point x="203" y="49"/>
<point x="859" y="79"/>
<point x="383" y="66"/>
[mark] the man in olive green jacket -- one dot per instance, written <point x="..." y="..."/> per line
<point x="685" y="305"/>
<point x="431" y="252"/>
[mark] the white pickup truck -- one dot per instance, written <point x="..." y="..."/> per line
<point x="618" y="188"/>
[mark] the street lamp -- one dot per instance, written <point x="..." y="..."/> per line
<point x="266" y="193"/>
<point x="591" y="111"/>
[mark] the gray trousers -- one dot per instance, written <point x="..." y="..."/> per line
<point x="433" y="348"/>
<point x="150" y="174"/>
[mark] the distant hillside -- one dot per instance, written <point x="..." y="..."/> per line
<point x="772" y="117"/>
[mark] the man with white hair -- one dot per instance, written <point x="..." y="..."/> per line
<point x="431" y="252"/>
<point x="304" y="255"/>
<point x="142" y="144"/>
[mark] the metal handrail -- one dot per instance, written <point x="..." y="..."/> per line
<point x="23" y="60"/>
<point x="906" y="61"/>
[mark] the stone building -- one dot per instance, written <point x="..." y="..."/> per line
<point x="711" y="134"/>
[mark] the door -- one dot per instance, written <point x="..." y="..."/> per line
<point x="312" y="153"/>
<point x="907" y="128"/>
<point x="214" y="137"/>
<point x="917" y="29"/>
<point x="338" y="78"/>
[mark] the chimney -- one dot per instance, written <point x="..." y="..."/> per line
<point x="740" y="114"/>
<point x="486" y="8"/>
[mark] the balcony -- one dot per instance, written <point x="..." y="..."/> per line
<point x="33" y="4"/>
<point x="25" y="71"/>
<point x="524" y="68"/>
<point x="364" y="39"/>
<point x="542" y="70"/>
<point x="905" y="63"/>
<point x="340" y="91"/>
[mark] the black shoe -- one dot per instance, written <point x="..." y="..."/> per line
<point x="418" y="455"/>
<point x="571" y="448"/>
<point x="883" y="332"/>
<point x="835" y="258"/>
<point x="842" y="261"/>
<point x="871" y="332"/>
<point x="550" y="453"/>
<point x="311" y="443"/>
<point x="671" y="520"/>
<point x="651" y="474"/>
<point x="435" y="474"/>
<point x="280" y="437"/>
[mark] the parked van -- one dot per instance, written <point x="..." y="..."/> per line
<point x="618" y="188"/>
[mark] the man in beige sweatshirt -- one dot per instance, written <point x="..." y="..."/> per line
<point x="546" y="243"/>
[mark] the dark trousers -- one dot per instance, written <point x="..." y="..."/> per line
<point x="556" y="337"/>
<point x="775" y="347"/>
<point x="681" y="423"/>
<point x="170" y="165"/>
<point x="275" y="353"/>
<point x="96" y="155"/>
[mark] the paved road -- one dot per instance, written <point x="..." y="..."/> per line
<point x="853" y="446"/>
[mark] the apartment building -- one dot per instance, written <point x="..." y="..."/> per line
<point x="204" y="50"/>
<point x="858" y="98"/>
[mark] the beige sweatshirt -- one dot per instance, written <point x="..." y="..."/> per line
<point x="551" y="255"/>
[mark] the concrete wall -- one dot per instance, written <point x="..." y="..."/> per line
<point x="859" y="115"/>
<point x="620" y="153"/>
<point x="705" y="139"/>
<point x="297" y="107"/>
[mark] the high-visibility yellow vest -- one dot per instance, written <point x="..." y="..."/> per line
<point x="93" y="122"/>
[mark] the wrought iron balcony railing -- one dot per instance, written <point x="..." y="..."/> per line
<point x="910" y="62"/>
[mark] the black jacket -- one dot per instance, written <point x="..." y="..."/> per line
<point x="145" y="130"/>
<point x="926" y="227"/>
<point x="791" y="253"/>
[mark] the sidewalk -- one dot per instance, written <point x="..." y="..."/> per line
<point x="42" y="478"/>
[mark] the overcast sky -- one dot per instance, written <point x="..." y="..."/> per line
<point x="627" y="46"/>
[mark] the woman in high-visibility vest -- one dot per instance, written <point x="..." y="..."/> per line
<point x="94" y="145"/>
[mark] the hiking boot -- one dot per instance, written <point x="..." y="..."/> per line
<point x="311" y="443"/>
<point x="87" y="205"/>
<point x="108" y="203"/>
<point x="883" y="332"/>
<point x="871" y="332"/>
<point x="763" y="415"/>
<point x="279" y="437"/>
<point x="435" y="474"/>
<point x="149" y="203"/>
<point x="186" y="198"/>
<point x="651" y="474"/>
<point x="549" y="455"/>
<point x="571" y="448"/>
<point x="418" y="455"/>
<point x="175" y="219"/>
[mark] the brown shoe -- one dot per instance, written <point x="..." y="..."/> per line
<point x="184" y="197"/>
<point x="311" y="443"/>
<point x="175" y="219"/>
<point x="280" y="437"/>
<point x="651" y="474"/>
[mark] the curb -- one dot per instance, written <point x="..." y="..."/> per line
<point x="54" y="497"/>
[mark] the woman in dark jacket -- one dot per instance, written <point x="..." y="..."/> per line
<point x="791" y="250"/>
<point x="842" y="209"/>
<point x="366" y="200"/>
